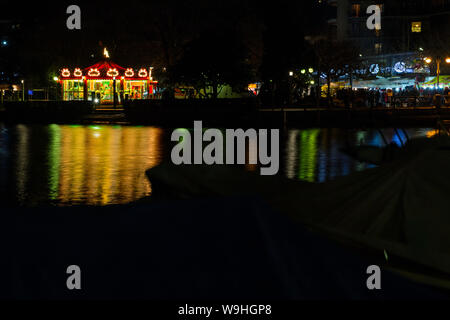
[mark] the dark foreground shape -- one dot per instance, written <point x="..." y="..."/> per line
<point x="47" y="111"/>
<point x="352" y="117"/>
<point x="217" y="248"/>
<point x="218" y="112"/>
<point x="400" y="207"/>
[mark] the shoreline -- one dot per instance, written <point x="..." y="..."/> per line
<point x="262" y="117"/>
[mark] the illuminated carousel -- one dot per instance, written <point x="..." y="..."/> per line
<point x="106" y="81"/>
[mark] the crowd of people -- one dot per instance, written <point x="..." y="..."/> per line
<point x="406" y="97"/>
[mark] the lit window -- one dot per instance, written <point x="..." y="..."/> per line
<point x="416" y="27"/>
<point x="356" y="10"/>
<point x="378" y="47"/>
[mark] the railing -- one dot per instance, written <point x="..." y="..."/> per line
<point x="414" y="101"/>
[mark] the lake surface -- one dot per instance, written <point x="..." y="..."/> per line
<point x="106" y="164"/>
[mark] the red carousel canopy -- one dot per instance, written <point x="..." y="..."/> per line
<point x="105" y="70"/>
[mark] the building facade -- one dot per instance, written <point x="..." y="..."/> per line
<point x="406" y="25"/>
<point x="411" y="31"/>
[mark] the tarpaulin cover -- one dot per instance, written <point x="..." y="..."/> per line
<point x="401" y="208"/>
<point x="443" y="80"/>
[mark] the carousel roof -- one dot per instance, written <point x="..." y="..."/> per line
<point x="104" y="65"/>
<point x="106" y="69"/>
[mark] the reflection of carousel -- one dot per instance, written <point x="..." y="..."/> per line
<point x="107" y="83"/>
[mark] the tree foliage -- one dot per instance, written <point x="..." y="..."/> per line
<point x="335" y="59"/>
<point x="213" y="61"/>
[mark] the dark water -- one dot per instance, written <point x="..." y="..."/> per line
<point x="100" y="165"/>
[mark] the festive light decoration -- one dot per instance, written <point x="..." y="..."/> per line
<point x="374" y="69"/>
<point x="129" y="73"/>
<point x="106" y="53"/>
<point x="112" y="72"/>
<point x="142" y="73"/>
<point x="77" y="72"/>
<point x="400" y="67"/>
<point x="93" y="72"/>
<point x="65" y="72"/>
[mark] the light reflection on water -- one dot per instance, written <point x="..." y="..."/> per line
<point x="100" y="165"/>
<point x="94" y="165"/>
<point x="314" y="155"/>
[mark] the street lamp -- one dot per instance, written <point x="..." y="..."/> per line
<point x="23" y="90"/>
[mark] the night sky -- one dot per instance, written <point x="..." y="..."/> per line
<point x="155" y="32"/>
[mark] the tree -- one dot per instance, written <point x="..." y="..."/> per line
<point x="213" y="61"/>
<point x="300" y="81"/>
<point x="335" y="59"/>
<point x="164" y="29"/>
